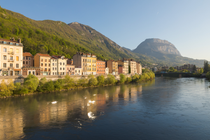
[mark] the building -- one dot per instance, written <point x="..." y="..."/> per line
<point x="139" y="68"/>
<point x="85" y="61"/>
<point x="44" y="62"/>
<point x="132" y="66"/>
<point x="70" y="69"/>
<point x="30" y="70"/>
<point x="113" y="67"/>
<point x="53" y="66"/>
<point x="101" y="65"/>
<point x="28" y="59"/>
<point x="61" y="64"/>
<point x="78" y="71"/>
<point x="11" y="53"/>
<point x="106" y="70"/>
<point x="125" y="65"/>
<point x="120" y="69"/>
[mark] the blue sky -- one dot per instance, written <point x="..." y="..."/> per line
<point x="184" y="23"/>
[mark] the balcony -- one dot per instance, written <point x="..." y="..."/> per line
<point x="11" y="53"/>
<point x="9" y="60"/>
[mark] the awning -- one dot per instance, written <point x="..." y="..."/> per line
<point x="17" y="69"/>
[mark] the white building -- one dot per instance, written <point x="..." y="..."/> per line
<point x="78" y="71"/>
<point x="61" y="64"/>
<point x="11" y="57"/>
<point x="54" y="66"/>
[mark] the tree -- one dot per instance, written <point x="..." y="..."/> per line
<point x="31" y="83"/>
<point x="100" y="80"/>
<point x="206" y="66"/>
<point x="194" y="69"/>
<point x="122" y="78"/>
<point x="172" y="69"/>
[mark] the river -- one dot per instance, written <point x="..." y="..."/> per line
<point x="165" y="109"/>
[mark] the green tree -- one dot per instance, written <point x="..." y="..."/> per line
<point x="92" y="81"/>
<point x="31" y="83"/>
<point x="206" y="66"/>
<point x="122" y="78"/>
<point x="172" y="69"/>
<point x="100" y="80"/>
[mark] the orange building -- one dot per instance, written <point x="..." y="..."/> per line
<point x="42" y="61"/>
<point x="100" y="67"/>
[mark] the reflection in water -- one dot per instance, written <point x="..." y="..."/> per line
<point x="55" y="110"/>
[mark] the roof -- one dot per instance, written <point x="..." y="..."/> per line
<point x="58" y="56"/>
<point x="1" y="39"/>
<point x="100" y="61"/>
<point x="45" y="55"/>
<point x="27" y="54"/>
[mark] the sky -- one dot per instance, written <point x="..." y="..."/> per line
<point x="184" y="23"/>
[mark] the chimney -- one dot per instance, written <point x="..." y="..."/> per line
<point x="19" y="40"/>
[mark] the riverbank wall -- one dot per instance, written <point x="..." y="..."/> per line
<point x="20" y="79"/>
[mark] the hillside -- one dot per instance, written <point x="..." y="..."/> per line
<point x="59" y="38"/>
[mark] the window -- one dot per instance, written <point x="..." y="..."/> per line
<point x="49" y="69"/>
<point x="53" y="64"/>
<point x="17" y="50"/>
<point x="60" y="63"/>
<point x="45" y="64"/>
<point x="45" y="60"/>
<point x="11" y="57"/>
<point x="41" y="64"/>
<point x="53" y="73"/>
<point x="63" y="73"/>
<point x="49" y="65"/>
<point x="29" y="62"/>
<point x="11" y="65"/>
<point x="5" y="57"/>
<point x="63" y="63"/>
<point x="55" y="68"/>
<point x="49" y="60"/>
<point x="45" y="69"/>
<point x="11" y="50"/>
<point x="4" y="65"/>
<point x="23" y="62"/>
<point x="17" y="65"/>
<point x="26" y="62"/>
<point x="17" y="58"/>
<point x="24" y="57"/>
<point x="63" y="68"/>
<point x="29" y="58"/>
<point x="41" y="60"/>
<point x="5" y="50"/>
<point x="60" y="68"/>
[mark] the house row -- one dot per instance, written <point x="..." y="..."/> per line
<point x="14" y="62"/>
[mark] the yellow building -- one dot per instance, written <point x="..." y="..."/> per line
<point x="43" y="61"/>
<point x="85" y="61"/>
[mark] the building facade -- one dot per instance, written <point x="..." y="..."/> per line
<point x="139" y="68"/>
<point x="28" y="59"/>
<point x="125" y="64"/>
<point x="113" y="67"/>
<point x="78" y="71"/>
<point x="101" y="65"/>
<point x="61" y="64"/>
<point x="85" y="61"/>
<point x="44" y="62"/>
<point x="132" y="65"/>
<point x="11" y="57"/>
<point x="70" y="69"/>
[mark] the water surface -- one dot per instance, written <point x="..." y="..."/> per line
<point x="166" y="108"/>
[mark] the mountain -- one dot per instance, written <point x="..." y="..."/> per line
<point x="59" y="38"/>
<point x="163" y="52"/>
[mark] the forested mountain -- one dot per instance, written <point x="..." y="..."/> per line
<point x="59" y="38"/>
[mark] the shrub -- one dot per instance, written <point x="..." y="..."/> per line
<point x="41" y="86"/>
<point x="17" y="88"/>
<point x="69" y="82"/>
<point x="92" y="81"/>
<point x="110" y="79"/>
<point x="31" y="83"/>
<point x="100" y="80"/>
<point x="122" y="78"/>
<point x="135" y="77"/>
<point x="208" y="75"/>
<point x="49" y="86"/>
<point x="4" y="89"/>
<point x="128" y="80"/>
<point x="82" y="82"/>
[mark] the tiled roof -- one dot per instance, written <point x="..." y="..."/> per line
<point x="1" y="39"/>
<point x="46" y="55"/>
<point x="27" y="54"/>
